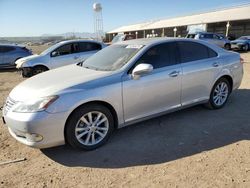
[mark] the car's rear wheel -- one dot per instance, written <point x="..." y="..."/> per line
<point x="219" y="94"/>
<point x="89" y="127"/>
<point x="227" y="46"/>
<point x="39" y="69"/>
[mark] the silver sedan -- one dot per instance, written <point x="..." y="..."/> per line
<point x="123" y="84"/>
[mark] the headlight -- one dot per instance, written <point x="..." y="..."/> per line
<point x="240" y="44"/>
<point x="35" y="105"/>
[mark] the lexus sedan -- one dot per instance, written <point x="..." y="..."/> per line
<point x="10" y="53"/>
<point x="122" y="84"/>
<point x="58" y="55"/>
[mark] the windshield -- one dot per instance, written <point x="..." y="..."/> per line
<point x="244" y="38"/>
<point x="112" y="58"/>
<point x="118" y="38"/>
<point x="48" y="50"/>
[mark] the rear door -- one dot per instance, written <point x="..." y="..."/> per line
<point x="9" y="55"/>
<point x="86" y="49"/>
<point x="218" y="40"/>
<point x="200" y="66"/>
<point x="158" y="91"/>
<point x="1" y="56"/>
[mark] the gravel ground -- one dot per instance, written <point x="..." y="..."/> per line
<point x="194" y="147"/>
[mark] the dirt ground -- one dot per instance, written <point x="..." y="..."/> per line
<point x="195" y="147"/>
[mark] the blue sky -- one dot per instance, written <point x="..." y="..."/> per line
<point x="37" y="17"/>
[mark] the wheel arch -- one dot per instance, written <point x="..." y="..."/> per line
<point x="103" y="103"/>
<point x="40" y="65"/>
<point x="229" y="79"/>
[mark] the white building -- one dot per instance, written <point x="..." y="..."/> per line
<point x="234" y="21"/>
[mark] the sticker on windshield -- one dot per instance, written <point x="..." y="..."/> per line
<point x="136" y="46"/>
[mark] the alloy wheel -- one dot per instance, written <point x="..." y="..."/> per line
<point x="220" y="94"/>
<point x="91" y="128"/>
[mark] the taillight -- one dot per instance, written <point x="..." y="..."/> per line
<point x="242" y="60"/>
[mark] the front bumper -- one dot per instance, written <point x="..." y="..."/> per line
<point x="237" y="46"/>
<point x="38" y="130"/>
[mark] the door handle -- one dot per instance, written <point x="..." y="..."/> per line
<point x="215" y="64"/>
<point x="174" y="73"/>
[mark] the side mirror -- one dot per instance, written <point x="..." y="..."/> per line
<point x="54" y="54"/>
<point x="141" y="69"/>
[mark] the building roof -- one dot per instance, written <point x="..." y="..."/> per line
<point x="222" y="15"/>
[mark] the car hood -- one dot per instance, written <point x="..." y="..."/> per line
<point x="23" y="60"/>
<point x="238" y="41"/>
<point x="64" y="79"/>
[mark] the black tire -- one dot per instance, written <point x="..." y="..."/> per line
<point x="211" y="103"/>
<point x="73" y="123"/>
<point x="39" y="69"/>
<point x="245" y="47"/>
<point x="227" y="46"/>
<point x="26" y="72"/>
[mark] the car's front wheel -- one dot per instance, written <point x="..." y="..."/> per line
<point x="245" y="47"/>
<point x="39" y="69"/>
<point x="89" y="127"/>
<point x="219" y="94"/>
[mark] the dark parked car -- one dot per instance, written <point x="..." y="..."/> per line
<point x="9" y="53"/>
<point x="242" y="43"/>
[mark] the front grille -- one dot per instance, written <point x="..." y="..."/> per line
<point x="8" y="105"/>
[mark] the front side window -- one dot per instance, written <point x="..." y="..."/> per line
<point x="160" y="56"/>
<point x="192" y="51"/>
<point x="63" y="50"/>
<point x="208" y="36"/>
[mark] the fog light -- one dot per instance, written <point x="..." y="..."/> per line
<point x="33" y="137"/>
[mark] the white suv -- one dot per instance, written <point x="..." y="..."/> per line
<point x="60" y="54"/>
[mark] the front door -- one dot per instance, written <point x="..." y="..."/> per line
<point x="64" y="55"/>
<point x="158" y="91"/>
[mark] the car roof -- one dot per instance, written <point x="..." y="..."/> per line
<point x="149" y="41"/>
<point x="203" y="32"/>
<point x="12" y="45"/>
<point x="159" y="40"/>
<point x="79" y="40"/>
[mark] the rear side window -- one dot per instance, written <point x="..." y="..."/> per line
<point x="211" y="53"/>
<point x="88" y="46"/>
<point x="160" y="56"/>
<point x="192" y="51"/>
<point x="7" y="49"/>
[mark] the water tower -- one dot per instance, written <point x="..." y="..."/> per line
<point x="98" y="21"/>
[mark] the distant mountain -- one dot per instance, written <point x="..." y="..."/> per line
<point x="73" y="34"/>
<point x="48" y="37"/>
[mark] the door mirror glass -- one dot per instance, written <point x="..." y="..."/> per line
<point x="54" y="54"/>
<point x="141" y="69"/>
